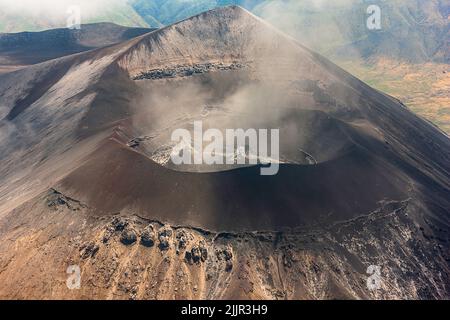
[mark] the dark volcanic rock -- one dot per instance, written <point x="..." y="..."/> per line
<point x="203" y="251"/>
<point x="164" y="236"/>
<point x="148" y="236"/>
<point x="228" y="254"/>
<point x="89" y="251"/>
<point x="228" y="266"/>
<point x="119" y="223"/>
<point x="164" y="243"/>
<point x="182" y="238"/>
<point x="136" y="142"/>
<point x="109" y="232"/>
<point x="196" y="254"/>
<point x="188" y="257"/>
<point x="56" y="199"/>
<point x="187" y="71"/>
<point x="128" y="236"/>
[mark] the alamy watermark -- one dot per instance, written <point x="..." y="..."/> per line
<point x="374" y="20"/>
<point x="238" y="147"/>
<point x="73" y="281"/>
<point x="374" y="279"/>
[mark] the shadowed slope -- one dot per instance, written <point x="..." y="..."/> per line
<point x="117" y="179"/>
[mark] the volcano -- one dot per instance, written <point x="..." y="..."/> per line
<point x="85" y="179"/>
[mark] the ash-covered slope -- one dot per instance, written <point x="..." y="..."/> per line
<point x="96" y="127"/>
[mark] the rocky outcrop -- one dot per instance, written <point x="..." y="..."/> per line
<point x="226" y="255"/>
<point x="192" y="263"/>
<point x="56" y="200"/>
<point x="165" y="238"/>
<point x="148" y="236"/>
<point x="89" y="250"/>
<point x="197" y="254"/>
<point x="128" y="236"/>
<point x="187" y="71"/>
<point x="136" y="142"/>
<point x="182" y="238"/>
<point x="119" y="223"/>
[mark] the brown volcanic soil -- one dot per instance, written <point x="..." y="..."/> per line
<point x="326" y="262"/>
<point x="378" y="194"/>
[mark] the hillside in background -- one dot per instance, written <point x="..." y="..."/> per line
<point x="411" y="30"/>
<point x="28" y="15"/>
<point x="26" y="48"/>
